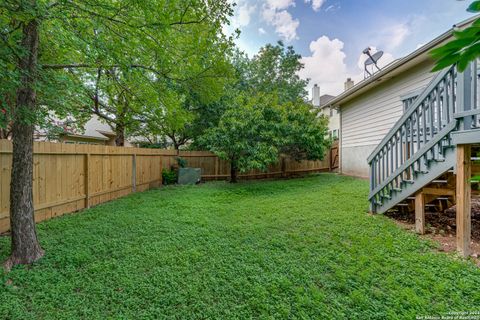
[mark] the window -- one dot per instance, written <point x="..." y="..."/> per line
<point x="333" y="134"/>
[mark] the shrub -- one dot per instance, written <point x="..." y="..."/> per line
<point x="169" y="176"/>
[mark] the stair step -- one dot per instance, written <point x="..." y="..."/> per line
<point x="421" y="171"/>
<point x="408" y="181"/>
<point x="439" y="181"/>
<point x="386" y="197"/>
<point x="442" y="198"/>
<point x="410" y="198"/>
<point x="430" y="205"/>
<point x="397" y="189"/>
<point x="403" y="205"/>
<point x="437" y="160"/>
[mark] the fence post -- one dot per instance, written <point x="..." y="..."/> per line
<point x="161" y="170"/>
<point x="134" y="172"/>
<point x="216" y="168"/>
<point x="284" y="167"/>
<point x="87" y="180"/>
<point x="330" y="165"/>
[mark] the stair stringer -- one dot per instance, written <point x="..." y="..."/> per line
<point x="421" y="180"/>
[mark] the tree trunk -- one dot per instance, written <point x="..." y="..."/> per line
<point x="233" y="171"/>
<point x="25" y="246"/>
<point x="120" y="138"/>
<point x="5" y="133"/>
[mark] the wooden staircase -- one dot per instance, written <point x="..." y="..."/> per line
<point x="439" y="195"/>
<point x="414" y="168"/>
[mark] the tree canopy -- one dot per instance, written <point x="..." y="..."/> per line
<point x="266" y="114"/>
<point x="116" y="59"/>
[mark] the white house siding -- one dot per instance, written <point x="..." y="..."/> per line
<point x="333" y="120"/>
<point x="365" y="120"/>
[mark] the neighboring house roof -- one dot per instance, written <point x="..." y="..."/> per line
<point x="325" y="99"/>
<point x="96" y="129"/>
<point x="398" y="66"/>
<point x="86" y="137"/>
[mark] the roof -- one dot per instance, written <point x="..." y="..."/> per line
<point x="324" y="99"/>
<point x="398" y="66"/>
<point x="73" y="135"/>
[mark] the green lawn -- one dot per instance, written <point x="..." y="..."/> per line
<point x="302" y="248"/>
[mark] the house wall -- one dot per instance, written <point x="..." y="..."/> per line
<point x="368" y="118"/>
<point x="334" y="120"/>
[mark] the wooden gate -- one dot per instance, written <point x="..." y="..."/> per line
<point x="334" y="158"/>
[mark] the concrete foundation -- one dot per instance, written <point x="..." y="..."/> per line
<point x="354" y="160"/>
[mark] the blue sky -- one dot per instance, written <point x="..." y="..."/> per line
<point x="331" y="34"/>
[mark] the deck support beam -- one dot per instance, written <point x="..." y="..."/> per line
<point x="464" y="192"/>
<point x="420" y="213"/>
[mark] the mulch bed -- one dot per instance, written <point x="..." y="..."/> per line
<point x="441" y="226"/>
<point x="443" y="223"/>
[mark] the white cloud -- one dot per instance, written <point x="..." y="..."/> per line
<point x="397" y="34"/>
<point x="262" y="31"/>
<point x="390" y="36"/>
<point x="274" y="13"/>
<point x="280" y="4"/>
<point x="329" y="8"/>
<point x="326" y="65"/>
<point x="242" y="15"/>
<point x="316" y="4"/>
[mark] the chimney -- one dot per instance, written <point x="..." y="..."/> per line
<point x="316" y="95"/>
<point x="348" y="84"/>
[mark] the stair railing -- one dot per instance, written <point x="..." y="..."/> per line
<point x="422" y="134"/>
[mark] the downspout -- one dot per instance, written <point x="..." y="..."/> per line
<point x="340" y="139"/>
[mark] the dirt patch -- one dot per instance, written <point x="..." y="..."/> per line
<point x="441" y="226"/>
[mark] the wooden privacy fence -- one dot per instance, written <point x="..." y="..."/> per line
<point x="71" y="177"/>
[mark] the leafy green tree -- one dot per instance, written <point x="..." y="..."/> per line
<point x="304" y="133"/>
<point x="463" y="49"/>
<point x="256" y="130"/>
<point x="247" y="135"/>
<point x="275" y="70"/>
<point x="265" y="114"/>
<point x="51" y="49"/>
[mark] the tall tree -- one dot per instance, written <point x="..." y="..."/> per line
<point x="25" y="245"/>
<point x="266" y="115"/>
<point x="247" y="135"/>
<point x="46" y="41"/>
<point x="275" y="70"/>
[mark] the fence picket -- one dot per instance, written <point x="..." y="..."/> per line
<point x="68" y="178"/>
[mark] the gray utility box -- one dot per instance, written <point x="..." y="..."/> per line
<point x="189" y="175"/>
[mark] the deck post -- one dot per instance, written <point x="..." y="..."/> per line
<point x="420" y="213"/>
<point x="464" y="172"/>
<point x="465" y="95"/>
